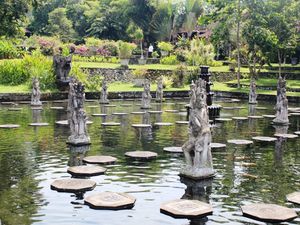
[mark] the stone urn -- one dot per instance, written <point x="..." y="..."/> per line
<point x="124" y="62"/>
<point x="142" y="61"/>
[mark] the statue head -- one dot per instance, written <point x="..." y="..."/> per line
<point x="199" y="94"/>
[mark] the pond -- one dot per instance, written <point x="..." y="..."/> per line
<point x="31" y="158"/>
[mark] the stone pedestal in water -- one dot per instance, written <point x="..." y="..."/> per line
<point x="76" y="115"/>
<point x="282" y="103"/>
<point x="104" y="94"/>
<point x="146" y="96"/>
<point x="159" y="90"/>
<point x="252" y="93"/>
<point x="197" y="150"/>
<point x="36" y="93"/>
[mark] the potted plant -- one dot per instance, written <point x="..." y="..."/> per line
<point x="165" y="48"/>
<point x="125" y="52"/>
<point x="139" y="76"/>
<point x="139" y="36"/>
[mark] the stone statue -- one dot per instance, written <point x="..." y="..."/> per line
<point x="36" y="93"/>
<point x="62" y="65"/>
<point x="104" y="93"/>
<point x="159" y="90"/>
<point x="197" y="150"/>
<point x="146" y="96"/>
<point x="282" y="103"/>
<point x="252" y="93"/>
<point x="76" y="114"/>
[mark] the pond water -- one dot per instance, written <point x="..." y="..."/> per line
<point x="31" y="158"/>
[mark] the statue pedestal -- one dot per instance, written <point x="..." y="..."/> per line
<point x="104" y="102"/>
<point x="197" y="173"/>
<point x="78" y="141"/>
<point x="62" y="85"/>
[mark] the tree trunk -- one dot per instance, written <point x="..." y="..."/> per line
<point x="279" y="62"/>
<point x="239" y="45"/>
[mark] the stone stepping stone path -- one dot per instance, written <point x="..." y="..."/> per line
<point x="140" y="125"/>
<point x="60" y="101"/>
<point x="66" y="122"/>
<point x="294" y="197"/>
<point x="8" y="103"/>
<point x="111" y="124"/>
<point x="181" y="122"/>
<point x="24" y="102"/>
<point x="297" y="132"/>
<point x="155" y="112"/>
<point x="217" y="145"/>
<point x="290" y="136"/>
<point x="184" y="208"/>
<point x="163" y="124"/>
<point x="269" y="116"/>
<point x="38" y="124"/>
<point x="14" y="109"/>
<point x="141" y="155"/>
<point x="260" y="108"/>
<point x="235" y="100"/>
<point x="223" y="119"/>
<point x="120" y="114"/>
<point x="36" y="108"/>
<point x="268" y="212"/>
<point x="99" y="114"/>
<point x="109" y="106"/>
<point x="173" y="149"/>
<point x="56" y="107"/>
<point x="171" y="111"/>
<point x="294" y="114"/>
<point x="100" y="159"/>
<point x="240" y="142"/>
<point x="126" y="105"/>
<point x="239" y="118"/>
<point x="93" y="106"/>
<point x="229" y="108"/>
<point x="73" y="185"/>
<point x="9" y="126"/>
<point x="293" y="109"/>
<point x="110" y="200"/>
<point x="90" y="100"/>
<point x="255" y="117"/>
<point x="86" y="170"/>
<point x="138" y="113"/>
<point x="263" y="138"/>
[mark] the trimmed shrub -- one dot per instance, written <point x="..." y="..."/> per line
<point x="13" y="72"/>
<point x="8" y="50"/>
<point x="169" y="60"/>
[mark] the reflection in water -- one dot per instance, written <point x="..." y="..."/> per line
<point x="279" y="144"/>
<point x="77" y="153"/>
<point x="145" y="134"/>
<point x="36" y="116"/>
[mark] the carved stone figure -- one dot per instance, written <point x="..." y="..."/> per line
<point x="197" y="150"/>
<point x="252" y="93"/>
<point x="159" y="90"/>
<point x="146" y="96"/>
<point x="76" y="114"/>
<point x="62" y="65"/>
<point x="36" y="93"/>
<point x="282" y="103"/>
<point x="104" y="93"/>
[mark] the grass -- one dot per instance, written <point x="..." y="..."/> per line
<point x="264" y="82"/>
<point x="23" y="88"/>
<point x="118" y="87"/>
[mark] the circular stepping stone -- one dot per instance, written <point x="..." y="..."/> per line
<point x="297" y="132"/>
<point x="110" y="200"/>
<point x="163" y="124"/>
<point x="112" y="124"/>
<point x="262" y="138"/>
<point x="240" y="142"/>
<point x="86" y="170"/>
<point x="173" y="149"/>
<point x="235" y="100"/>
<point x="295" y="114"/>
<point x="247" y="175"/>
<point x="9" y="126"/>
<point x="142" y="155"/>
<point x="120" y="114"/>
<point x="268" y="212"/>
<point x="223" y="119"/>
<point x="294" y="197"/>
<point x="138" y="113"/>
<point x="60" y="101"/>
<point x="293" y="109"/>
<point x="171" y="111"/>
<point x="286" y="135"/>
<point x="56" y="107"/>
<point x="229" y="108"/>
<point x="126" y="105"/>
<point x="73" y="185"/>
<point x="239" y="118"/>
<point x="255" y="117"/>
<point x="217" y="145"/>
<point x="182" y="122"/>
<point x="100" y="159"/>
<point x="38" y="124"/>
<point x="36" y="108"/>
<point x="66" y="122"/>
<point x="14" y="109"/>
<point x="99" y="114"/>
<point x="93" y="106"/>
<point x="109" y="106"/>
<point x="183" y="208"/>
<point x="269" y="116"/>
<point x="24" y="102"/>
<point x="7" y="103"/>
<point x="155" y="112"/>
<point x="141" y="125"/>
<point x="260" y="108"/>
<point x="90" y="100"/>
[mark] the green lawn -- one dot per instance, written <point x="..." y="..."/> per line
<point x="23" y="88"/>
<point x="268" y="82"/>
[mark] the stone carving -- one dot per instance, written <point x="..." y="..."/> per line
<point x="159" y="90"/>
<point x="62" y="65"/>
<point x="76" y="114"/>
<point x="282" y="103"/>
<point x="146" y="96"/>
<point x="252" y="93"/>
<point x="104" y="93"/>
<point x="36" y="93"/>
<point x="197" y="149"/>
